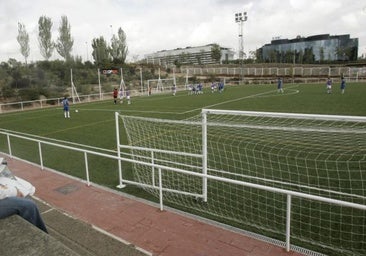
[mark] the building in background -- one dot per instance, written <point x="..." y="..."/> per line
<point x="190" y="55"/>
<point x="312" y="49"/>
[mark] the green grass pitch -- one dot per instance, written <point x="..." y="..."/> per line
<point x="94" y="123"/>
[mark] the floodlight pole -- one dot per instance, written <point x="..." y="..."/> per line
<point x="186" y="78"/>
<point x="122" y="85"/>
<point x="175" y="81"/>
<point x="159" y="80"/>
<point x="72" y="86"/>
<point x="240" y="18"/>
<point x="100" y="86"/>
<point x="142" y="87"/>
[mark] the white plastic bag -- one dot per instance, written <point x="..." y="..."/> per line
<point x="26" y="188"/>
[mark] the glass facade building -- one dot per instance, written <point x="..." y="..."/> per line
<point x="310" y="49"/>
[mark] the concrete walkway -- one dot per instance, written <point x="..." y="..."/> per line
<point x="141" y="224"/>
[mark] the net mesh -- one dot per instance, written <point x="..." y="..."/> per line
<point x="324" y="157"/>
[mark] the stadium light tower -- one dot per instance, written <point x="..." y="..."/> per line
<point x="240" y="18"/>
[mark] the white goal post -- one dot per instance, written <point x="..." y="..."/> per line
<point x="74" y="93"/>
<point x="318" y="161"/>
<point x="160" y="85"/>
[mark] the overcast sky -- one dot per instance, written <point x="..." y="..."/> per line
<point x="154" y="25"/>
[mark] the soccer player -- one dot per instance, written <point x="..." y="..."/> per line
<point x="329" y="85"/>
<point x="279" y="85"/>
<point x="221" y="87"/>
<point x="149" y="90"/>
<point x="343" y="85"/>
<point x="174" y="89"/>
<point x="193" y="89"/>
<point x="121" y="95"/>
<point x="213" y="87"/>
<point x="128" y="97"/>
<point x="199" y="88"/>
<point x="65" y="104"/>
<point x="115" y="94"/>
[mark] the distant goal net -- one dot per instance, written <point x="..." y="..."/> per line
<point x="160" y="85"/>
<point x="315" y="155"/>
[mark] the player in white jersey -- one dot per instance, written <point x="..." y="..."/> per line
<point x="329" y="85"/>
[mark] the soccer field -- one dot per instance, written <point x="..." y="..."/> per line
<point x="92" y="118"/>
<point x="94" y="125"/>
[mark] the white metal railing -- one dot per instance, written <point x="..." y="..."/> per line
<point x="43" y="103"/>
<point x="289" y="194"/>
<point x="51" y="102"/>
<point x="351" y="73"/>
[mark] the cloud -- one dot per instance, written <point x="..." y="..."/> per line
<point x="154" y="25"/>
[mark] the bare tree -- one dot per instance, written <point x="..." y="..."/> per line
<point x="64" y="42"/>
<point x="23" y="40"/>
<point x="46" y="45"/>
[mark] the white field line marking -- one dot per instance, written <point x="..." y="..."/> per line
<point x="262" y="94"/>
<point x="245" y="97"/>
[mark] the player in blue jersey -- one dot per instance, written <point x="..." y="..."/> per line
<point x="279" y="85"/>
<point x="199" y="88"/>
<point x="343" y="85"/>
<point x="221" y="87"/>
<point x="65" y="104"/>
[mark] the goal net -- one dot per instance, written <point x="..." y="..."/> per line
<point x="160" y="85"/>
<point x="312" y="154"/>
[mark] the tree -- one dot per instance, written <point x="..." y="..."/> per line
<point x="253" y="55"/>
<point x="321" y="54"/>
<point x="309" y="56"/>
<point x="259" y="55"/>
<point x="183" y="58"/>
<point x="45" y="37"/>
<point x="23" y="40"/>
<point x="216" y="52"/>
<point x="101" y="52"/>
<point x="272" y="56"/>
<point x="119" y="49"/>
<point x="64" y="42"/>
